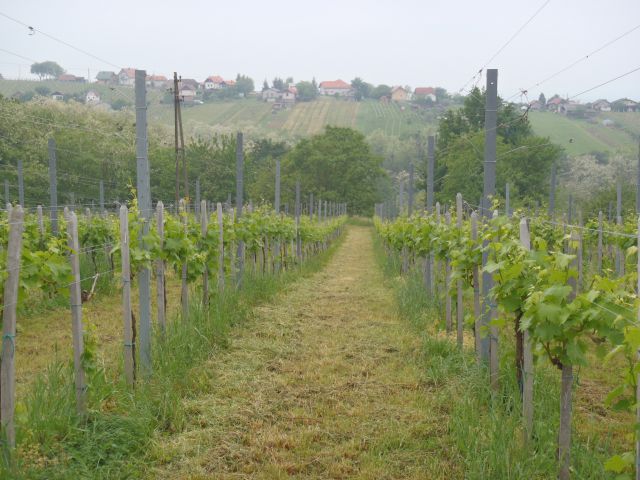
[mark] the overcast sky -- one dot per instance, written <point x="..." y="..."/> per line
<point x="400" y="42"/>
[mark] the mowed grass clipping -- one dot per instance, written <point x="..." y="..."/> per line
<point x="324" y="382"/>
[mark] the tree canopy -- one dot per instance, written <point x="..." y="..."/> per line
<point x="47" y="69"/>
<point x="337" y="165"/>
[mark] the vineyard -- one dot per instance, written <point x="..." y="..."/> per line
<point x="551" y="296"/>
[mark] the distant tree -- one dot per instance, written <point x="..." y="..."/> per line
<point x="314" y="83"/>
<point x="362" y="88"/>
<point x="244" y="85"/>
<point x="278" y="83"/>
<point x="337" y="165"/>
<point x="47" y="69"/>
<point x="43" y="91"/>
<point x="265" y="85"/>
<point x="381" y="91"/>
<point x="120" y="103"/>
<point x="288" y="81"/>
<point x="543" y="100"/>
<point x="25" y="97"/>
<point x="441" y="94"/>
<point x="306" y="91"/>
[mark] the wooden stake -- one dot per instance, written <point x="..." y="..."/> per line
<point x="126" y="297"/>
<point x="493" y="341"/>
<point x="459" y="305"/>
<point x="527" y="367"/>
<point x="220" y="247"/>
<point x="76" y="314"/>
<point x="447" y="284"/>
<point x="160" y="286"/>
<point x="204" y="218"/>
<point x="9" y="316"/>
<point x="476" y="290"/>
<point x="185" y="285"/>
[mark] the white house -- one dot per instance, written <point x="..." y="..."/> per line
<point x="127" y="76"/>
<point x="92" y="98"/>
<point x="187" y="93"/>
<point x="59" y="96"/>
<point x="601" y="105"/>
<point x="214" y="82"/>
<point x="270" y="95"/>
<point x="335" y="87"/>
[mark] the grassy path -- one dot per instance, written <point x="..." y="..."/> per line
<point x="322" y="383"/>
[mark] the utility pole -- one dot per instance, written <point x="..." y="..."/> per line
<point x="184" y="156"/>
<point x="490" y="125"/>
<point x="176" y="106"/>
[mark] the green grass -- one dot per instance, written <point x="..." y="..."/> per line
<point x="581" y="136"/>
<point x="113" y="441"/>
<point x="486" y="427"/>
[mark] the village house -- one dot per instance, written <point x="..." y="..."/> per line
<point x="601" y="105"/>
<point x="58" y="96"/>
<point x="536" y="105"/>
<point x="624" y="105"/>
<point x="67" y="77"/>
<point x="190" y="82"/>
<point x="270" y="94"/>
<point x="214" y="82"/>
<point x="156" y="81"/>
<point x="92" y="98"/>
<point x="187" y="93"/>
<point x="335" y="87"/>
<point x="127" y="77"/>
<point x="424" y="93"/>
<point x="106" y="78"/>
<point x="399" y="94"/>
<point x="554" y="104"/>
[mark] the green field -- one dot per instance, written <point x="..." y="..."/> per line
<point x="304" y="119"/>
<point x="582" y="136"/>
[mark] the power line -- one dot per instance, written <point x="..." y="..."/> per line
<point x="18" y="55"/>
<point x="78" y="49"/>
<point x="511" y="39"/>
<point x="604" y="83"/>
<point x="576" y="62"/>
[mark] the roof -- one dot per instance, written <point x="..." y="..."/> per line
<point x="67" y="76"/>
<point x="601" y="100"/>
<point x="425" y="91"/>
<point x="129" y="72"/>
<point x="293" y="90"/>
<point x="555" y="101"/>
<point x="335" y="84"/>
<point x="158" y="78"/>
<point x="57" y="93"/>
<point x="215" y="79"/>
<point x="230" y="82"/>
<point x="396" y="88"/>
<point x="93" y="92"/>
<point x="626" y="101"/>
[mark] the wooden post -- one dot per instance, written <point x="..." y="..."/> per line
<point x="447" y="281"/>
<point x="126" y="297"/>
<point x="600" y="221"/>
<point x="9" y="313"/>
<point x="459" y="306"/>
<point x="160" y="287"/>
<point x="220" y="247"/>
<point x="493" y="338"/>
<point x="527" y="367"/>
<point x="40" y="221"/>
<point x="566" y="386"/>
<point x="298" y="213"/>
<point x="239" y="204"/>
<point x="476" y="289"/>
<point x="76" y="314"/>
<point x="185" y="286"/>
<point x="204" y="218"/>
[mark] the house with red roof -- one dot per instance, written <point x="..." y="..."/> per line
<point x="127" y="76"/>
<point x="424" y="93"/>
<point x="399" y="94"/>
<point x="67" y="77"/>
<point x="335" y="87"/>
<point x="214" y="82"/>
<point x="156" y="81"/>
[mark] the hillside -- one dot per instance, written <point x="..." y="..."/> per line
<point x="256" y="118"/>
<point x="579" y="136"/>
<point x="304" y="119"/>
